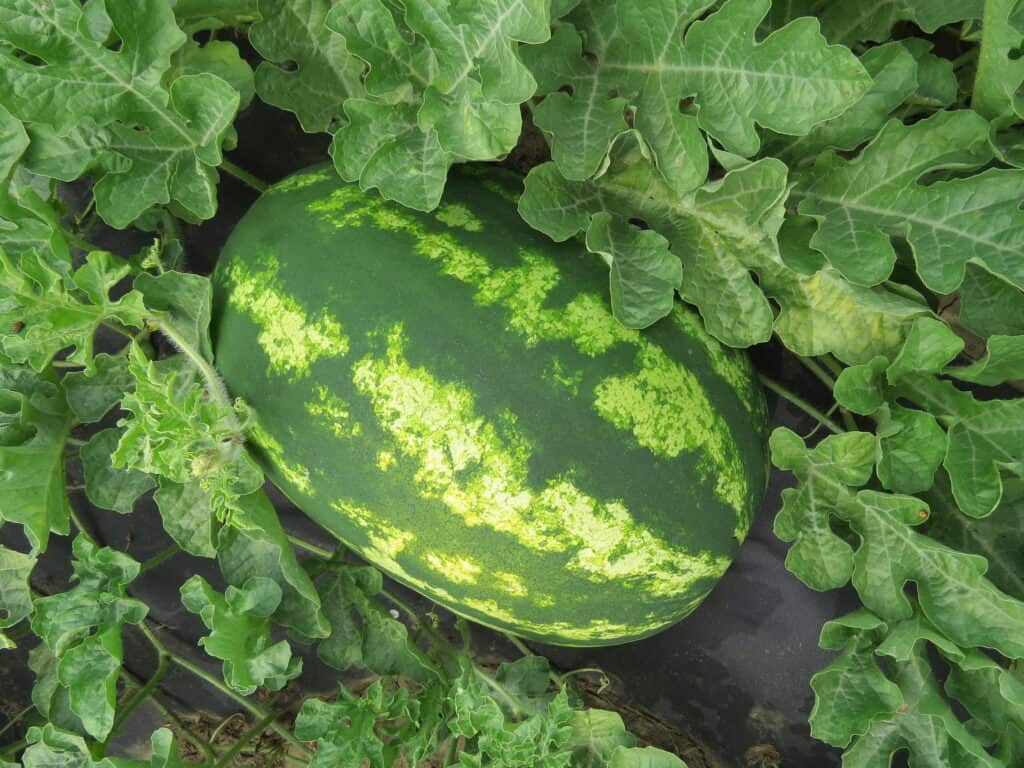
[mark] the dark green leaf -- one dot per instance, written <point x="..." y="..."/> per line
<point x="183" y="300"/>
<point x="861" y="203"/>
<point x="989" y="305"/>
<point x="911" y="447"/>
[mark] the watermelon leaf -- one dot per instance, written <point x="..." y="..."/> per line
<point x="443" y="85"/>
<point x="631" y="57"/>
<point x="239" y="621"/>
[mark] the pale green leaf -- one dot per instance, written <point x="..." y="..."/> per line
<point x="45" y="312"/>
<point x="861" y="203"/>
<point x="643" y="757"/>
<point x="106" y="486"/>
<point x="92" y="396"/>
<point x="722" y="233"/>
<point x="15" y="589"/>
<point x="596" y="733"/>
<point x="256" y="545"/>
<point x="34" y="424"/>
<point x="850" y="692"/>
<point x="240" y="632"/>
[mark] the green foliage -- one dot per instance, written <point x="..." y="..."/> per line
<point x="81" y="629"/>
<point x="240" y="636"/>
<point x="785" y="167"/>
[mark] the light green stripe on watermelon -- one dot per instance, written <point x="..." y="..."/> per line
<point x="662" y="404"/>
<point x="291" y="339"/>
<point x="296" y="474"/>
<point x="478" y="470"/>
<point x="334" y="413"/>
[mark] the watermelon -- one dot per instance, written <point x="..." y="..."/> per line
<point x="450" y="395"/>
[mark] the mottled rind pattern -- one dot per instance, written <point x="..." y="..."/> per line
<point x="450" y="394"/>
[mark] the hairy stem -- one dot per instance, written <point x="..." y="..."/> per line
<point x="213" y="383"/>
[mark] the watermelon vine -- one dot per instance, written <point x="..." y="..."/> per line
<point x="840" y="179"/>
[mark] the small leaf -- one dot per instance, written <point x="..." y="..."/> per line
<point x="596" y="733"/>
<point x="240" y="632"/>
<point x="643" y="757"/>
<point x="188" y="516"/>
<point x="106" y="486"/>
<point x="929" y="346"/>
<point x="1003" y="361"/>
<point x="644" y="273"/>
<point x="92" y="396"/>
<point x="183" y="300"/>
<point x="981" y="446"/>
<point x="861" y="388"/>
<point x="15" y="589"/>
<point x="911" y="446"/>
<point x="82" y="630"/>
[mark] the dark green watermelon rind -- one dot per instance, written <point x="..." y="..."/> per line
<point x="423" y="291"/>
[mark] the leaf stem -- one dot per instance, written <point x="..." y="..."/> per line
<point x="159" y="557"/>
<point x="143" y="693"/>
<point x="818" y="372"/>
<point x="326" y="554"/>
<point x="206" y="677"/>
<point x="16" y="719"/>
<point x="243" y="176"/>
<point x="244" y="740"/>
<point x="800" y="403"/>
<point x="499" y="691"/>
<point x="80" y="525"/>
